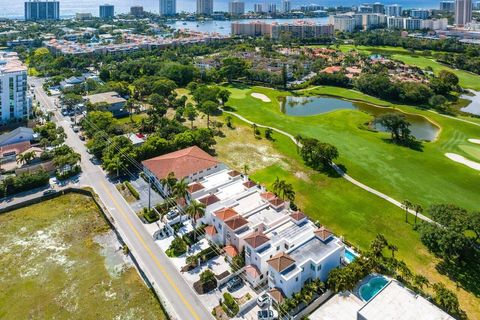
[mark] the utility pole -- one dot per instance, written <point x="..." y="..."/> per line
<point x="149" y="192"/>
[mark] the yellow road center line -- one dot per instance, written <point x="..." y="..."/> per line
<point x="157" y="262"/>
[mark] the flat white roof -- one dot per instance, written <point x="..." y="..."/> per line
<point x="230" y="190"/>
<point x="339" y="307"/>
<point x="267" y="216"/>
<point x="395" y="301"/>
<point x="249" y="202"/>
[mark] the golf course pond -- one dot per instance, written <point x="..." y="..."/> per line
<point x="421" y="128"/>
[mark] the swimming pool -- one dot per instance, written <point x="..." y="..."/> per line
<point x="349" y="255"/>
<point x="372" y="287"/>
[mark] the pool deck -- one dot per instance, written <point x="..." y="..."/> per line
<point x="339" y="307"/>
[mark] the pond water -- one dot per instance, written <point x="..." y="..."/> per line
<point x="474" y="106"/>
<point x="421" y="128"/>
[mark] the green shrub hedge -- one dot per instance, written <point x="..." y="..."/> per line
<point x="132" y="190"/>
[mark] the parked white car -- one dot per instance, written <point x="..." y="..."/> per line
<point x="263" y="299"/>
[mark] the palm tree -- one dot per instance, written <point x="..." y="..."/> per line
<point x="180" y="189"/>
<point x="418" y="209"/>
<point x="393" y="248"/>
<point x="26" y="157"/>
<point x="407" y="205"/>
<point x="195" y="209"/>
<point x="255" y="128"/>
<point x="169" y="181"/>
<point x="421" y="281"/>
<point x="288" y="192"/>
<point x="246" y="168"/>
<point x="278" y="186"/>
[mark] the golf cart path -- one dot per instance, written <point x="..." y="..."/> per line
<point x="337" y="169"/>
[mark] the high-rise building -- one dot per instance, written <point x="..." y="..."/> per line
<point x="393" y="10"/>
<point x="42" y="10"/>
<point x="419" y="13"/>
<point x="377" y="7"/>
<point x="448" y="6"/>
<point x="137" y="11"/>
<point x="168" y="7"/>
<point x="107" y="11"/>
<point x="463" y="12"/>
<point x="258" y="8"/>
<point x="205" y="7"/>
<point x="236" y="8"/>
<point x="14" y="103"/>
<point x="286" y="6"/>
<point x="344" y="23"/>
<point x="476" y="5"/>
<point x="272" y="8"/>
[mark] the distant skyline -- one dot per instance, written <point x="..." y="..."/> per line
<point x="68" y="8"/>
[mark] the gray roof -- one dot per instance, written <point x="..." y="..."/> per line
<point x="12" y="134"/>
<point x="314" y="249"/>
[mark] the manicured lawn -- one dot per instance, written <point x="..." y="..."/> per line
<point x="346" y="209"/>
<point x="425" y="177"/>
<point x="136" y="118"/>
<point x="60" y="260"/>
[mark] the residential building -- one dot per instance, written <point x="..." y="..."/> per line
<point x="448" y="6"/>
<point x="205" y="7"/>
<point x="258" y="8"/>
<point x="168" y="7"/>
<point x="251" y="29"/>
<point x="396" y="23"/>
<point x="19" y="135"/>
<point x="419" y="13"/>
<point x="393" y="10"/>
<point x="378" y="7"/>
<point x="107" y="11"/>
<point x="345" y="23"/>
<point x="299" y="29"/>
<point x="236" y="8"/>
<point x="191" y="164"/>
<point x="435" y="24"/>
<point x="369" y="20"/>
<point x="413" y="24"/>
<point x="10" y="152"/>
<point x="83" y="16"/>
<point x="313" y="258"/>
<point x="365" y="9"/>
<point x="311" y="8"/>
<point x="137" y="11"/>
<point x="463" y="12"/>
<point x="14" y="102"/>
<point x="286" y="6"/>
<point x="476" y="5"/>
<point x="115" y="103"/>
<point x="42" y="10"/>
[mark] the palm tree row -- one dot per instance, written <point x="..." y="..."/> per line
<point x="284" y="190"/>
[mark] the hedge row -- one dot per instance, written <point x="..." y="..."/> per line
<point x="132" y="190"/>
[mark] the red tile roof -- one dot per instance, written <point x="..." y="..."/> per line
<point x="256" y="240"/>
<point x="234" y="173"/>
<point x="323" y="233"/>
<point x="208" y="200"/>
<point x="182" y="163"/>
<point x="276" y="202"/>
<point x="268" y="195"/>
<point x="226" y="214"/>
<point x="281" y="261"/>
<point x="249" y="184"/>
<point x="210" y="230"/>
<point x="298" y="215"/>
<point x="231" y="251"/>
<point x="277" y="294"/>
<point x="16" y="147"/>
<point x="194" y="187"/>
<point x="236" y="222"/>
<point x="252" y="271"/>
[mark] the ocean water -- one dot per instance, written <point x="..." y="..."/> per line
<point x="68" y="8"/>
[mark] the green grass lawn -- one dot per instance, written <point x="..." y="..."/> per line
<point x="344" y="208"/>
<point x="425" y="177"/>
<point x="53" y="266"/>
<point x="136" y="118"/>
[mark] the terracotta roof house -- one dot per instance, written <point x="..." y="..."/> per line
<point x="298" y="216"/>
<point x="268" y="195"/>
<point x="194" y="187"/>
<point x="281" y="261"/>
<point x="191" y="163"/>
<point x="231" y="251"/>
<point x="226" y="214"/>
<point x="234" y="173"/>
<point x="256" y="240"/>
<point x="276" y="202"/>
<point x="210" y="230"/>
<point x="323" y="233"/>
<point x="208" y="200"/>
<point x="10" y="152"/>
<point x="277" y="294"/>
<point x="249" y="184"/>
<point x="236" y="222"/>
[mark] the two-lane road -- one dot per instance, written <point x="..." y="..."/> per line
<point x="182" y="302"/>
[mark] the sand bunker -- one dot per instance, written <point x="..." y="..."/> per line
<point x="460" y="159"/>
<point x="477" y="141"/>
<point x="261" y="96"/>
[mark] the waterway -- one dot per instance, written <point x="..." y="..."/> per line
<point x="474" y="106"/>
<point x="421" y="128"/>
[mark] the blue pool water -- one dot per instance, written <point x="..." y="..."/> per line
<point x="372" y="287"/>
<point x="349" y="255"/>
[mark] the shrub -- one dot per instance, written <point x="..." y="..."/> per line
<point x="150" y="215"/>
<point x="177" y="248"/>
<point x="207" y="276"/>
<point x="23" y="182"/>
<point x="230" y="306"/>
<point x="132" y="190"/>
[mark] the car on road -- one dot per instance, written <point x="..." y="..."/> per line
<point x="82" y="137"/>
<point x="76" y="129"/>
<point x="234" y="283"/>
<point x="263" y="299"/>
<point x="49" y="192"/>
<point x="266" y="315"/>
